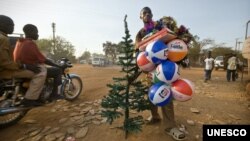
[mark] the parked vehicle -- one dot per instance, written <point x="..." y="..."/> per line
<point x="98" y="61"/>
<point x="83" y="62"/>
<point x="12" y="92"/>
<point x="219" y="62"/>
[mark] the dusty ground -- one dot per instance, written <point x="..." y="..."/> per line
<point x="218" y="101"/>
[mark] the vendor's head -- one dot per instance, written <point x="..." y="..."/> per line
<point x="30" y="31"/>
<point x="146" y="14"/>
<point x="6" y="24"/>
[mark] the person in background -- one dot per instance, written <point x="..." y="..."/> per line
<point x="10" y="69"/>
<point x="168" y="110"/>
<point x="187" y="62"/>
<point x="34" y="56"/>
<point x="209" y="66"/>
<point x="231" y="67"/>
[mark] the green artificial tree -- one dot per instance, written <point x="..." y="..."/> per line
<point x="127" y="92"/>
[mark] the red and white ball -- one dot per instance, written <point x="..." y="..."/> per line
<point x="143" y="63"/>
<point x="177" y="50"/>
<point x="182" y="90"/>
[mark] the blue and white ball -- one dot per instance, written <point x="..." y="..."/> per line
<point x="157" y="51"/>
<point x="167" y="71"/>
<point x="160" y="94"/>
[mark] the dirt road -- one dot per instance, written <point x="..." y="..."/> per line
<point x="218" y="102"/>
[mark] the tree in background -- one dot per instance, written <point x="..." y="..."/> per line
<point x="119" y="47"/>
<point x="98" y="55"/>
<point x="221" y="51"/>
<point x="197" y="50"/>
<point x="85" y="56"/>
<point x="62" y="48"/>
<point x="45" y="45"/>
<point x="194" y="51"/>
<point x="126" y="93"/>
<point x="110" y="50"/>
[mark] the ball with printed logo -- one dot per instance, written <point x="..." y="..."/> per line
<point x="182" y="89"/>
<point x="143" y="63"/>
<point x="177" y="50"/>
<point x="156" y="51"/>
<point x="167" y="71"/>
<point x="160" y="94"/>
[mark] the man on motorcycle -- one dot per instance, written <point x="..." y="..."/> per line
<point x="9" y="69"/>
<point x="36" y="57"/>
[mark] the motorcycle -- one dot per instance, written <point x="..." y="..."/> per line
<point x="12" y="93"/>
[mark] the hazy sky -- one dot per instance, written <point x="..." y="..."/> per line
<point x="87" y="24"/>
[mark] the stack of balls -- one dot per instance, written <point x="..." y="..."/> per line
<point x="159" y="59"/>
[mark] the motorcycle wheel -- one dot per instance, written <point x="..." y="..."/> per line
<point x="72" y="88"/>
<point x="11" y="118"/>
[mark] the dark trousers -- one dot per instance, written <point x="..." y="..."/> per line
<point x="231" y="74"/>
<point x="56" y="74"/>
<point x="208" y="74"/>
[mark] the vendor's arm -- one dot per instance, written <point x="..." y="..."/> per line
<point x="138" y="38"/>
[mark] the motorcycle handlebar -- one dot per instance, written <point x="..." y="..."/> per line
<point x="69" y="65"/>
<point x="65" y="63"/>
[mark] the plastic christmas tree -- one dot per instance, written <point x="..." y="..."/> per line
<point x="127" y="92"/>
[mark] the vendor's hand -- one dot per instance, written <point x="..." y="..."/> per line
<point x="33" y="68"/>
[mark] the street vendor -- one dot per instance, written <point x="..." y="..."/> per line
<point x="168" y="110"/>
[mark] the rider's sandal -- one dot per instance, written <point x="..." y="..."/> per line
<point x="55" y="97"/>
<point x="176" y="134"/>
<point x="31" y="103"/>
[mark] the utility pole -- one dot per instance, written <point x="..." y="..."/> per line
<point x="238" y="46"/>
<point x="247" y="29"/>
<point x="54" y="38"/>
<point x="236" y="43"/>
